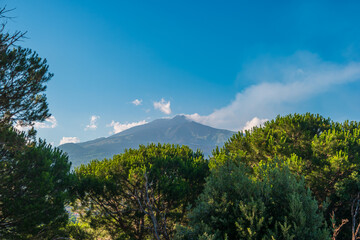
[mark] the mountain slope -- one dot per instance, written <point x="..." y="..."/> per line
<point x="178" y="130"/>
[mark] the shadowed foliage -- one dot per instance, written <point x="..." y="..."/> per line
<point x="270" y="203"/>
<point x="34" y="187"/>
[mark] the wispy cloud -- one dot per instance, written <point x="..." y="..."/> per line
<point x="50" y="122"/>
<point x="163" y="106"/>
<point x="93" y="123"/>
<point x="69" y="140"/>
<point x="119" y="127"/>
<point x="137" y="102"/>
<point x="278" y="84"/>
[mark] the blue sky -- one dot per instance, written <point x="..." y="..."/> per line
<point x="227" y="64"/>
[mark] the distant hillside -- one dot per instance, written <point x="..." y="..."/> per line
<point x="178" y="130"/>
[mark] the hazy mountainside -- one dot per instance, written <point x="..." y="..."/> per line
<point x="178" y="130"/>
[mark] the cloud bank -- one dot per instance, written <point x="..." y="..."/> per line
<point x="163" y="106"/>
<point x="69" y="140"/>
<point x="278" y="84"/>
<point x="119" y="127"/>
<point x="93" y="123"/>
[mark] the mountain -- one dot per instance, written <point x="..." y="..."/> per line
<point x="178" y="130"/>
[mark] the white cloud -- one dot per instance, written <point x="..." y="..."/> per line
<point x="137" y="102"/>
<point x="93" y="123"/>
<point x="50" y="122"/>
<point x="119" y="127"/>
<point x="69" y="140"/>
<point x="163" y="106"/>
<point x="19" y="127"/>
<point x="255" y="122"/>
<point x="285" y="82"/>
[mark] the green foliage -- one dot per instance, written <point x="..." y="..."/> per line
<point x="142" y="190"/>
<point x="34" y="184"/>
<point x="82" y="231"/>
<point x="34" y="177"/>
<point x="281" y="137"/>
<point x="237" y="205"/>
<point x="22" y="78"/>
<point x="324" y="152"/>
<point x="23" y="75"/>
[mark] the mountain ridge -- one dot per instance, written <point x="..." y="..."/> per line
<point x="178" y="130"/>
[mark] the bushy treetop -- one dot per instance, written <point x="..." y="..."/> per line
<point x="324" y="152"/>
<point x="143" y="192"/>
